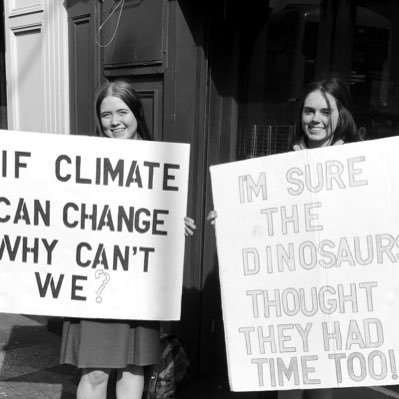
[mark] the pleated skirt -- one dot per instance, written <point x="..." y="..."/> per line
<point x="93" y="343"/>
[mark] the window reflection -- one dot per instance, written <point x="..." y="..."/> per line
<point x="302" y="40"/>
<point x="374" y="80"/>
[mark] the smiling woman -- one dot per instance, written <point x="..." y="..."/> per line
<point x="120" y="112"/>
<point x="325" y="117"/>
<point x="126" y="345"/>
<point x="117" y="120"/>
<point x="319" y="118"/>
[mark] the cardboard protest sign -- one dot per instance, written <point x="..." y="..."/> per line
<point x="308" y="248"/>
<point x="91" y="227"/>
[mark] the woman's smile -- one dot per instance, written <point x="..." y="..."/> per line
<point x="316" y="129"/>
<point x="117" y="120"/>
<point x="119" y="131"/>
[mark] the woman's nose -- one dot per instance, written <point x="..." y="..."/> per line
<point x="316" y="118"/>
<point x="115" y="120"/>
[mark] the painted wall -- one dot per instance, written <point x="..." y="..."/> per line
<point x="37" y="65"/>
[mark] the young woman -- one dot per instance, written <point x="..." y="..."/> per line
<point x="97" y="346"/>
<point x="324" y="119"/>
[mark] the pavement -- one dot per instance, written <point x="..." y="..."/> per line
<point x="29" y="360"/>
<point x="30" y="369"/>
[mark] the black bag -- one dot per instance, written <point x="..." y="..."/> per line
<point x="162" y="378"/>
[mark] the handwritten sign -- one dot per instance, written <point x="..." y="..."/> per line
<point x="308" y="248"/>
<point x="91" y="227"/>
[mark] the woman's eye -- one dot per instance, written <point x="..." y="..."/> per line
<point x="326" y="112"/>
<point x="105" y="116"/>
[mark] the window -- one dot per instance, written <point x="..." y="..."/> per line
<point x="300" y="41"/>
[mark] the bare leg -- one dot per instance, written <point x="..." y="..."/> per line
<point x="292" y="394"/>
<point x="93" y="384"/>
<point x="130" y="382"/>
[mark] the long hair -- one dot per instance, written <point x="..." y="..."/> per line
<point x="333" y="85"/>
<point x="123" y="90"/>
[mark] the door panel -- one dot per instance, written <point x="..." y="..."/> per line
<point x="84" y="61"/>
<point x="151" y="95"/>
<point x="133" y="38"/>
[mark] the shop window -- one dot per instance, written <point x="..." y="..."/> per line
<point x="375" y="70"/>
<point x="302" y="40"/>
<point x="283" y="60"/>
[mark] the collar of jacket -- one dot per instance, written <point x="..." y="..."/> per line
<point x="300" y="145"/>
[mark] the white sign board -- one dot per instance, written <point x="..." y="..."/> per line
<point x="308" y="250"/>
<point x="91" y="227"/>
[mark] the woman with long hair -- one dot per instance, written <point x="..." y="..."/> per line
<point x="98" y="346"/>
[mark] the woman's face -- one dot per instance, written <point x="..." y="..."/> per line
<point x="117" y="119"/>
<point x="319" y="120"/>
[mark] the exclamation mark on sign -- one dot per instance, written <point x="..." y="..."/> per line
<point x="392" y="361"/>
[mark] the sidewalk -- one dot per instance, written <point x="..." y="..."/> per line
<point x="29" y="361"/>
<point x="30" y="369"/>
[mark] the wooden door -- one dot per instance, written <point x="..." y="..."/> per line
<point x="159" y="45"/>
<point x="84" y="63"/>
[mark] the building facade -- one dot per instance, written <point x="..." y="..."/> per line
<point x="222" y="75"/>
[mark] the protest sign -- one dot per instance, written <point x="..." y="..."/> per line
<point x="91" y="227"/>
<point x="308" y="251"/>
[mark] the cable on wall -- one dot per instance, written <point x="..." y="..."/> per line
<point x="98" y="41"/>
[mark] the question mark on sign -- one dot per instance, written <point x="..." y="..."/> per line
<point x="102" y="286"/>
